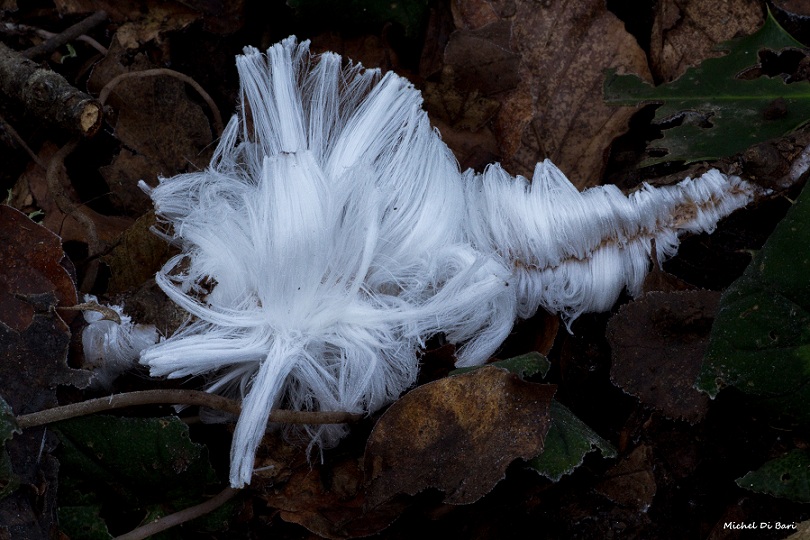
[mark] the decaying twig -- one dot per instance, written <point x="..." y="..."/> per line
<point x="46" y="95"/>
<point x="57" y="40"/>
<point x="182" y="516"/>
<point x="175" y="397"/>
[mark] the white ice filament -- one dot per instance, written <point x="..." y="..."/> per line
<point x="333" y="233"/>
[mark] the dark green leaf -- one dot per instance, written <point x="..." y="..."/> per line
<point x="568" y="440"/>
<point x="787" y="476"/>
<point x="760" y="341"/>
<point x="523" y="366"/>
<point x="138" y="459"/>
<point x="83" y="523"/>
<point x="721" y="113"/>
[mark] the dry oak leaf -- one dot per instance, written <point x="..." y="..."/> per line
<point x="560" y="51"/>
<point x="457" y="435"/>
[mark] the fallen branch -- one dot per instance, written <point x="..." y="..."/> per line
<point x="62" y="38"/>
<point x="182" y="516"/>
<point x="46" y="95"/>
<point x="175" y="397"/>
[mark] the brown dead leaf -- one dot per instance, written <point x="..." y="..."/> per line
<point x="142" y="23"/>
<point x="33" y="337"/>
<point x="33" y="353"/>
<point x="327" y="500"/>
<point x="138" y="254"/>
<point x="31" y="191"/>
<point x="30" y="511"/>
<point x="30" y="258"/>
<point x="545" y="63"/>
<point x="631" y="482"/>
<point x="463" y="118"/>
<point x="457" y="435"/>
<point x="685" y="32"/>
<point x="658" y="344"/>
<point x="162" y="130"/>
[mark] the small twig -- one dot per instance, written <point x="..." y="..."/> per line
<point x="107" y="313"/>
<point x="175" y="397"/>
<point x="217" y="117"/>
<point x="50" y="45"/>
<point x="17" y="28"/>
<point x="182" y="516"/>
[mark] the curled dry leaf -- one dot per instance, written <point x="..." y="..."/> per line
<point x="545" y="64"/>
<point x="658" y="344"/>
<point x="457" y="435"/>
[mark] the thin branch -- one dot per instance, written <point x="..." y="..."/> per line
<point x="69" y="34"/>
<point x="182" y="516"/>
<point x="218" y="125"/>
<point x="175" y="397"/>
<point x="24" y="29"/>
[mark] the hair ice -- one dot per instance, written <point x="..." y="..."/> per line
<point x="333" y="233"/>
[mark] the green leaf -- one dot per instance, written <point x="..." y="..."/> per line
<point x="722" y="114"/>
<point x="760" y="340"/>
<point x="787" y="476"/>
<point x="523" y="366"/>
<point x="83" y="523"/>
<point x="138" y="460"/>
<point x="568" y="440"/>
<point x="8" y="427"/>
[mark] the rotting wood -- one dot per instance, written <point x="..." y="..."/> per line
<point x="46" y="95"/>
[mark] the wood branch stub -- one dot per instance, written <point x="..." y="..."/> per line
<point x="46" y="95"/>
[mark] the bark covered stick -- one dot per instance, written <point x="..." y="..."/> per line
<point x="57" y="40"/>
<point x="47" y="95"/>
